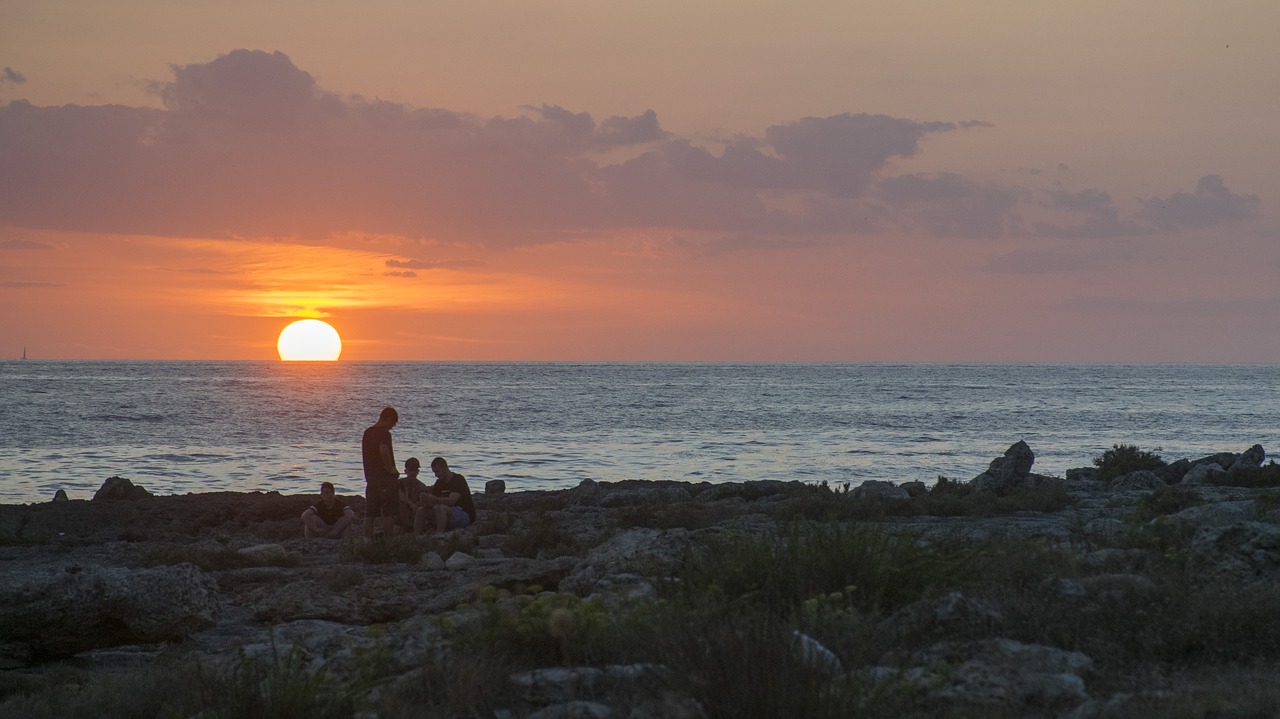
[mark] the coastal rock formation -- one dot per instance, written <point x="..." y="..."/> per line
<point x="58" y="609"/>
<point x="223" y="580"/>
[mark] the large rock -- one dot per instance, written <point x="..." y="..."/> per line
<point x="1141" y="480"/>
<point x="1008" y="471"/>
<point x="1243" y="551"/>
<point x="120" y="488"/>
<point x="628" y="552"/>
<point x="61" y="610"/>
<point x="1251" y="458"/>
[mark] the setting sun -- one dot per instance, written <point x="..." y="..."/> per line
<point x="309" y="340"/>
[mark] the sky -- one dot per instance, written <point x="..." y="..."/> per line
<point x="575" y="180"/>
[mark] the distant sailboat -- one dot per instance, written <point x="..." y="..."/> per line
<point x="24" y="353"/>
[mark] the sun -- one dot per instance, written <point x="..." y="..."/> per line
<point x="309" y="340"/>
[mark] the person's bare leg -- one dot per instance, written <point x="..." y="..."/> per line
<point x="340" y="528"/>
<point x="419" y="519"/>
<point x="442" y="517"/>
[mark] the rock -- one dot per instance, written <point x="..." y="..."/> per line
<point x="1082" y="474"/>
<point x="431" y="561"/>
<point x="915" y="488"/>
<point x="628" y="552"/>
<point x="1201" y="473"/>
<point x="812" y="653"/>
<point x="1143" y="479"/>
<point x="59" y="611"/>
<point x="265" y="554"/>
<point x="556" y="684"/>
<point x="60" y="496"/>
<point x="1250" y="458"/>
<point x="879" y="488"/>
<point x="1243" y="551"/>
<point x="495" y="486"/>
<point x="120" y="488"/>
<point x="1008" y="471"/>
<point x="1009" y="673"/>
<point x="576" y="709"/>
<point x="459" y="560"/>
<point x="1218" y="513"/>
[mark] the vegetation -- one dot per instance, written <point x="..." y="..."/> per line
<point x="1122" y="459"/>
<point x="1164" y="640"/>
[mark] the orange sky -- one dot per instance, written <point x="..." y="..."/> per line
<point x="660" y="181"/>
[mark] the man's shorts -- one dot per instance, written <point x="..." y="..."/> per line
<point x="382" y="499"/>
<point x="458" y="518"/>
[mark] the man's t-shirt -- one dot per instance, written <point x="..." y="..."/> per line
<point x="330" y="514"/>
<point x="374" y="469"/>
<point x="456" y="483"/>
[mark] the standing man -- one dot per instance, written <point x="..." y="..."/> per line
<point x="449" y="499"/>
<point x="382" y="490"/>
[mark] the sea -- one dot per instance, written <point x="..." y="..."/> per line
<point x="177" y="427"/>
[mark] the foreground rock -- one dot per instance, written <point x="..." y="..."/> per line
<point x="217" y="578"/>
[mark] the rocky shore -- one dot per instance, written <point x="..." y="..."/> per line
<point x="1144" y="593"/>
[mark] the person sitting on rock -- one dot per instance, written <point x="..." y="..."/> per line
<point x="449" y="500"/>
<point x="330" y="518"/>
<point x="411" y="492"/>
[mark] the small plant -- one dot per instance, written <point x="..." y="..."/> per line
<point x="1163" y="502"/>
<point x="1122" y="459"/>
<point x="1265" y="476"/>
<point x="542" y="535"/>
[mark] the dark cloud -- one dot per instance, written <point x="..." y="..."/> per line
<point x="24" y="245"/>
<point x="400" y="273"/>
<point x="250" y="145"/>
<point x="1212" y="204"/>
<point x="949" y="205"/>
<point x="1099" y="217"/>
<point x="12" y="76"/>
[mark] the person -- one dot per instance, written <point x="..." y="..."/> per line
<point x="382" y="490"/>
<point x="411" y="491"/>
<point x="330" y="518"/>
<point x="449" y="500"/>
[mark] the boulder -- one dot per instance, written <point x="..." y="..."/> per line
<point x="880" y="488"/>
<point x="1250" y="458"/>
<point x="1007" y="471"/>
<point x="495" y="486"/>
<point x="1201" y="473"/>
<point x="1082" y="474"/>
<point x="1243" y="551"/>
<point x="120" y="488"/>
<point x="1141" y="480"/>
<point x="62" y="610"/>
<point x="628" y="552"/>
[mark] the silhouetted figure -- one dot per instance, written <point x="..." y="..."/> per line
<point x="411" y="491"/>
<point x="382" y="491"/>
<point x="330" y="518"/>
<point x="449" y="499"/>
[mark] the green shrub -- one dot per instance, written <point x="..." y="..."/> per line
<point x="1163" y="502"/>
<point x="876" y="568"/>
<point x="1267" y="476"/>
<point x="1122" y="459"/>
<point x="542" y="535"/>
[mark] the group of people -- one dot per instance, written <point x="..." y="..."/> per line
<point x="403" y="503"/>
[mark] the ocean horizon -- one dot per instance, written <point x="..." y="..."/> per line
<point x="179" y="426"/>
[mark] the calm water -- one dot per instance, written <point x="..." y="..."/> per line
<point x="178" y="427"/>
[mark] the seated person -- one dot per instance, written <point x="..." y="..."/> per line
<point x="449" y="500"/>
<point x="330" y="518"/>
<point x="411" y="491"/>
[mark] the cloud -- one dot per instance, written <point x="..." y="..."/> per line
<point x="1028" y="262"/>
<point x="1212" y="204"/>
<point x="434" y="264"/>
<point x="1098" y="213"/>
<point x="949" y="205"/>
<point x="24" y="245"/>
<point x="400" y="273"/>
<point x="11" y="76"/>
<point x="250" y="145"/>
<point x="20" y="284"/>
